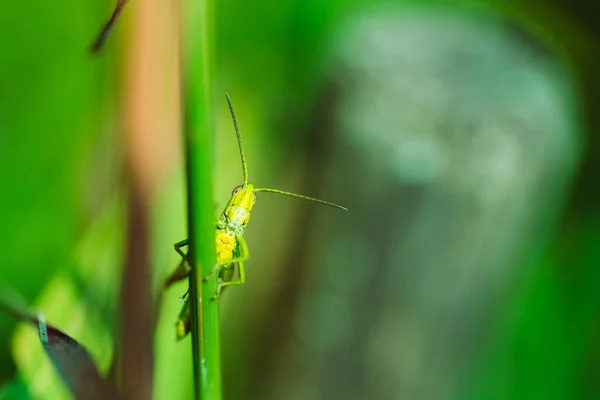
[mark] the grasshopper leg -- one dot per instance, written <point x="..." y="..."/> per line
<point x="177" y="246"/>
<point x="240" y="281"/>
<point x="244" y="254"/>
<point x="183" y="269"/>
<point x="183" y="321"/>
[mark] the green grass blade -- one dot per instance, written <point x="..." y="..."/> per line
<point x="197" y="93"/>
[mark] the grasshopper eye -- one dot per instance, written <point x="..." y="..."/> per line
<point x="254" y="201"/>
<point x="236" y="190"/>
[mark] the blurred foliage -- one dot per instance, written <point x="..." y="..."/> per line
<point x="51" y="116"/>
<point x="62" y="224"/>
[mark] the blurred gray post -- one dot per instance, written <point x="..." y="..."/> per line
<point x="455" y="140"/>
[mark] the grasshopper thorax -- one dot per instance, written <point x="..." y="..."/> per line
<point x="236" y="215"/>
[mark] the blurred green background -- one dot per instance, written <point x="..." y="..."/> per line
<point x="462" y="137"/>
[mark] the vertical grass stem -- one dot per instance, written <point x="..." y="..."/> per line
<point x="197" y="95"/>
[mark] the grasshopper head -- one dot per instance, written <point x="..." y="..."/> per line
<point x="238" y="210"/>
<point x="243" y="196"/>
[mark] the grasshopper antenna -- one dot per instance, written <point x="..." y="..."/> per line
<point x="299" y="196"/>
<point x="239" y="139"/>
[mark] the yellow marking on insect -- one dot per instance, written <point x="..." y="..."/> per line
<point x="231" y="224"/>
<point x="225" y="245"/>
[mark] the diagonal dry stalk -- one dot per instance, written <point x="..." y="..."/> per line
<point x="108" y="26"/>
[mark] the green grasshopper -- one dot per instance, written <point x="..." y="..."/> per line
<point x="231" y="247"/>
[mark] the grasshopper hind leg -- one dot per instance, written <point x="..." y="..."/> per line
<point x="184" y="320"/>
